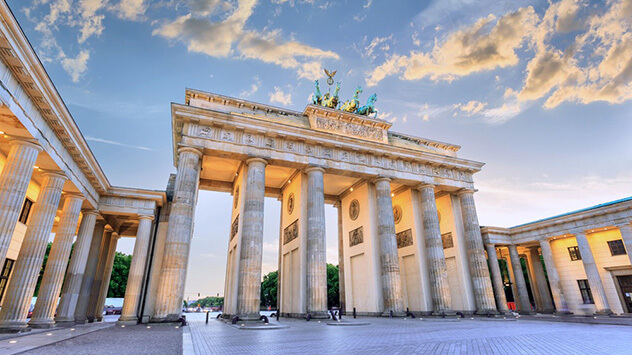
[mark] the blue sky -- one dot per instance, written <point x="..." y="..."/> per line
<point x="541" y="92"/>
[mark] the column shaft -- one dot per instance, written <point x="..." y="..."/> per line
<point x="76" y="268"/>
<point x="44" y="311"/>
<point x="20" y="291"/>
<point x="178" y="241"/>
<point x="14" y="180"/>
<point x="483" y="291"/>
<point x="592" y="273"/>
<point x="249" y="282"/>
<point x="523" y="294"/>
<point x="316" y="250"/>
<point x="497" y="278"/>
<point x="341" y="261"/>
<point x="439" y="284"/>
<point x="554" y="278"/>
<point x="540" y="281"/>
<point x="387" y="241"/>
<point x="107" y="274"/>
<point x="85" y="292"/>
<point x="99" y="274"/>
<point x="134" y="286"/>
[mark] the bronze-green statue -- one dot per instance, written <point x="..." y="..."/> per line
<point x="317" y="97"/>
<point x="368" y="108"/>
<point x="329" y="100"/>
<point x="353" y="104"/>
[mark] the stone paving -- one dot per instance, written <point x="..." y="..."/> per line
<point x="410" y="336"/>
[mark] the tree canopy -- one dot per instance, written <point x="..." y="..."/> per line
<point x="269" y="287"/>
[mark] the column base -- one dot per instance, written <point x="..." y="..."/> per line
<point x="13" y="328"/>
<point x="127" y="321"/>
<point x="546" y="311"/>
<point x="171" y="318"/>
<point x="562" y="313"/>
<point x="444" y="313"/>
<point x="80" y="321"/>
<point x="487" y="312"/>
<point x="398" y="314"/>
<point x="527" y="313"/>
<point x="317" y="315"/>
<point x="252" y="317"/>
<point x="42" y="324"/>
<point x="604" y="312"/>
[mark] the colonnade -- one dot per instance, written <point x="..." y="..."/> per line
<point x="87" y="273"/>
<point x="549" y="296"/>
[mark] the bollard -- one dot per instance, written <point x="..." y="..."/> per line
<point x="390" y="314"/>
<point x="354" y="313"/>
<point x="339" y="313"/>
<point x="235" y="320"/>
<point x="278" y="315"/>
<point x="207" y="313"/>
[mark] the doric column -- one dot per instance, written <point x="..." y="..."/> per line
<point x="592" y="273"/>
<point x="497" y="278"/>
<point x="483" y="290"/>
<point x="387" y="241"/>
<point x="540" y="281"/>
<point x="81" y="308"/>
<point x="48" y="295"/>
<point x="129" y="313"/>
<point x="99" y="274"/>
<point x="523" y="294"/>
<point x="14" y="180"/>
<point x="19" y="293"/>
<point x="626" y="234"/>
<point x="439" y="285"/>
<point x="76" y="268"/>
<point x="554" y="278"/>
<point x="341" y="261"/>
<point x="107" y="274"/>
<point x="316" y="251"/>
<point x="179" y="232"/>
<point x="249" y="282"/>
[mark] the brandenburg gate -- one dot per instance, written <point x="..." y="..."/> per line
<point x="409" y="237"/>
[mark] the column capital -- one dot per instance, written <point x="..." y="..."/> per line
<point x="90" y="212"/>
<point x="311" y="168"/>
<point x="492" y="245"/>
<point x="425" y="185"/>
<point x="255" y="159"/>
<point x="186" y="148"/>
<point x="578" y="231"/>
<point x="466" y="191"/>
<point x="116" y="235"/>
<point x="72" y="195"/>
<point x="146" y="216"/>
<point x="29" y="142"/>
<point x="382" y="178"/>
<point x="54" y="173"/>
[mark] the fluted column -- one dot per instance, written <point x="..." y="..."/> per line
<point x="523" y="294"/>
<point x="81" y="307"/>
<point x="107" y="274"/>
<point x="129" y="313"/>
<point x="249" y="282"/>
<point x="387" y="241"/>
<point x="20" y="291"/>
<point x="14" y="180"/>
<point x="341" y="261"/>
<point x="439" y="285"/>
<point x="592" y="273"/>
<point x="76" y="268"/>
<point x="179" y="232"/>
<point x="626" y="234"/>
<point x="540" y="281"/>
<point x="48" y="295"/>
<point x="497" y="278"/>
<point x="316" y="251"/>
<point x="554" y="278"/>
<point x="483" y="290"/>
<point x="99" y="274"/>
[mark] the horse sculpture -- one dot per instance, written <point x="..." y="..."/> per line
<point x="353" y="104"/>
<point x="317" y="97"/>
<point x="329" y="100"/>
<point x="369" y="107"/>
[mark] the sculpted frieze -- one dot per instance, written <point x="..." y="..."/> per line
<point x="348" y="128"/>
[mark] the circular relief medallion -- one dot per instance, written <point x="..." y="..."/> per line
<point x="354" y="210"/>
<point x="397" y="213"/>
<point x="290" y="203"/>
<point x="236" y="198"/>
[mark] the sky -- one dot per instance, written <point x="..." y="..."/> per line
<point x="539" y="91"/>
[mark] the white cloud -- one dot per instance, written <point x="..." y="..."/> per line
<point x="368" y="4"/>
<point x="230" y="38"/>
<point x="132" y="9"/>
<point x="254" y="87"/>
<point x="472" y="107"/>
<point x="377" y="44"/>
<point x="76" y="67"/>
<point x="281" y="97"/>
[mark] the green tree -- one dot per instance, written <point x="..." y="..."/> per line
<point x="269" y="287"/>
<point x="120" y="270"/>
<point x="333" y="292"/>
<point x="41" y="273"/>
<point x="211" y="301"/>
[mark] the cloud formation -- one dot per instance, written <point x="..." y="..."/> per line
<point x="597" y="66"/>
<point x="281" y="97"/>
<point x="229" y="37"/>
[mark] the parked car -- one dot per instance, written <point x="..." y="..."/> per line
<point x="110" y="310"/>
